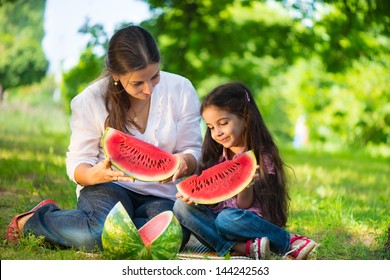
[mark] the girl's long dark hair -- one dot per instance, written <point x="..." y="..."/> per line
<point x="130" y="49"/>
<point x="270" y="190"/>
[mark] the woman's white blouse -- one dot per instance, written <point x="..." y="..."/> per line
<point x="173" y="125"/>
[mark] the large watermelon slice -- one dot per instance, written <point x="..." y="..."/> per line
<point x="138" y="159"/>
<point x="158" y="239"/>
<point x="221" y="181"/>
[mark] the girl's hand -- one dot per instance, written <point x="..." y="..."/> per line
<point x="254" y="177"/>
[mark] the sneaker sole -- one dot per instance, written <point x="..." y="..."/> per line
<point x="306" y="251"/>
<point x="265" y="248"/>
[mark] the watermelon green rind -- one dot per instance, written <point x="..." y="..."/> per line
<point x="136" y="158"/>
<point x="122" y="240"/>
<point x="221" y="181"/>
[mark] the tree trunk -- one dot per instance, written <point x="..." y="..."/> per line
<point x="1" y="93"/>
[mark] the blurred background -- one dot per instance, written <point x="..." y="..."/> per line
<point x="319" y="69"/>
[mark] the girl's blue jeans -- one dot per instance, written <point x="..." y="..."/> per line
<point x="81" y="228"/>
<point x="220" y="231"/>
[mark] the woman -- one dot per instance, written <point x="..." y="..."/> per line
<point x="136" y="97"/>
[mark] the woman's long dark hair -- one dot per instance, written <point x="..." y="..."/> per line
<point x="270" y="190"/>
<point x="130" y="49"/>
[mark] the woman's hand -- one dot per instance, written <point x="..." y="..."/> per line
<point x="187" y="165"/>
<point x="183" y="167"/>
<point x="102" y="172"/>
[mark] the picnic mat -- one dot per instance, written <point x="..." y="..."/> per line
<point x="195" y="250"/>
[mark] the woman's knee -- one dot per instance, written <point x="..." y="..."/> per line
<point x="180" y="208"/>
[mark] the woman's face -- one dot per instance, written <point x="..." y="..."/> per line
<point x="140" y="83"/>
<point x="226" y="128"/>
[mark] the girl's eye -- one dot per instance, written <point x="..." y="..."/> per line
<point x="224" y="123"/>
<point x="136" y="84"/>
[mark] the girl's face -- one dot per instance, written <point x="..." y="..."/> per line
<point x="140" y="83"/>
<point x="226" y="128"/>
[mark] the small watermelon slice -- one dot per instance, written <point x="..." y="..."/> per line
<point x="221" y="181"/>
<point x="136" y="158"/>
<point x="158" y="239"/>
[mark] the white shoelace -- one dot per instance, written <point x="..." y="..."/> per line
<point x="295" y="248"/>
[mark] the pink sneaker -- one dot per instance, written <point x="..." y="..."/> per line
<point x="258" y="248"/>
<point x="300" y="247"/>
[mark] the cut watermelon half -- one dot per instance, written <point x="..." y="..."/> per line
<point x="159" y="239"/>
<point x="221" y="181"/>
<point x="136" y="158"/>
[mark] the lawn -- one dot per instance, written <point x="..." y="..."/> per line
<point x="341" y="199"/>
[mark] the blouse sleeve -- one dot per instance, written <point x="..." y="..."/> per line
<point x="188" y="124"/>
<point x="87" y="130"/>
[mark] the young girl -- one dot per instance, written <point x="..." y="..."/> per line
<point x="251" y="223"/>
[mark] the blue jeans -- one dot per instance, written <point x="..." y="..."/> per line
<point x="220" y="231"/>
<point x="82" y="228"/>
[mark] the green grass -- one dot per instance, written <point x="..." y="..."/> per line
<point x="341" y="200"/>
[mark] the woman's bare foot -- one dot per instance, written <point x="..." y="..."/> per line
<point x="22" y="221"/>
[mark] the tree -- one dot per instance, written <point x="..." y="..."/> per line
<point x="222" y="38"/>
<point x="308" y="64"/>
<point x="328" y="60"/>
<point x="90" y="64"/>
<point x="2" y="2"/>
<point x="22" y="60"/>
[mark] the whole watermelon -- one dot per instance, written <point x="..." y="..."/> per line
<point x="158" y="239"/>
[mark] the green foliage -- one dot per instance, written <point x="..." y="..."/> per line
<point x="294" y="69"/>
<point x="90" y="64"/>
<point x="22" y="60"/>
<point x="35" y="94"/>
<point x="2" y="2"/>
<point x="76" y="79"/>
<point x="333" y="71"/>
<point x="230" y="41"/>
<point x="349" y="109"/>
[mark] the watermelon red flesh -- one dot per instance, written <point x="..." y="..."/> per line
<point x="221" y="181"/>
<point x="151" y="230"/>
<point x="136" y="158"/>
